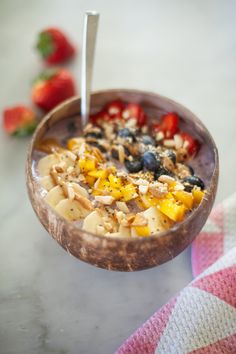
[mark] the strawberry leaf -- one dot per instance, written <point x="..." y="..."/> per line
<point x="45" y="44"/>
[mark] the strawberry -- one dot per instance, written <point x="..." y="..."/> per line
<point x="19" y="120"/>
<point x="54" y="46"/>
<point x="168" y="125"/>
<point x="99" y="117"/>
<point x="52" y="87"/>
<point x="191" y="143"/>
<point x="133" y="110"/>
<point x="115" y="109"/>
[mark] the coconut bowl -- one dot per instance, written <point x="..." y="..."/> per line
<point x="117" y="253"/>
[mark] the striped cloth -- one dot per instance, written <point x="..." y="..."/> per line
<point x="201" y="319"/>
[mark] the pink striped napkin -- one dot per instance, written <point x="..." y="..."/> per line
<point x="201" y="319"/>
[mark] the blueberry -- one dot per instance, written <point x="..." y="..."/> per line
<point x="134" y="166"/>
<point x="151" y="161"/>
<point x="148" y="140"/>
<point x="115" y="154"/>
<point x="191" y="170"/>
<point x="96" y="135"/>
<point x="191" y="181"/>
<point x="126" y="133"/>
<point x="172" y="156"/>
<point x="162" y="171"/>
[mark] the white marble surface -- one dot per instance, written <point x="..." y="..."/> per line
<point x="51" y="302"/>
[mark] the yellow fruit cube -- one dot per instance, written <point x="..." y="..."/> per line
<point x="90" y="180"/>
<point x="115" y="193"/>
<point x="185" y="198"/>
<point x="87" y="165"/>
<point x="72" y="144"/>
<point x="197" y="196"/>
<point x="115" y="182"/>
<point x="148" y="200"/>
<point x="98" y="174"/>
<point x="128" y="192"/>
<point x="142" y="230"/>
<point x="171" y="209"/>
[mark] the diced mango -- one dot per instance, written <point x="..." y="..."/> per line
<point x="197" y="196"/>
<point x="98" y="174"/>
<point x="115" y="182"/>
<point x="87" y="165"/>
<point x="185" y="198"/>
<point x="128" y="192"/>
<point x="90" y="180"/>
<point x="72" y="144"/>
<point x="115" y="193"/>
<point x="149" y="200"/>
<point x="171" y="209"/>
<point x="143" y="231"/>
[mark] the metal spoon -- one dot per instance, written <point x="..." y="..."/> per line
<point x="88" y="48"/>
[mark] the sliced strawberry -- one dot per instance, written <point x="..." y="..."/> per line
<point x="192" y="144"/>
<point x="19" y="120"/>
<point x="133" y="110"/>
<point x="52" y="87"/>
<point x="169" y="124"/>
<point x="98" y="117"/>
<point x="115" y="109"/>
<point x="54" y="46"/>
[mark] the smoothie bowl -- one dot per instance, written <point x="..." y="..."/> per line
<point x="133" y="188"/>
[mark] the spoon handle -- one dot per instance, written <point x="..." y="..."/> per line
<point x="88" y="49"/>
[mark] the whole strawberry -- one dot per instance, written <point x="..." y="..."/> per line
<point x="19" y="120"/>
<point x="54" y="46"/>
<point x="52" y="87"/>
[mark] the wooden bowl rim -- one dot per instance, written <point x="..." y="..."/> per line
<point x="169" y="232"/>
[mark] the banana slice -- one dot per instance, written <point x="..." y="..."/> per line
<point x="47" y="182"/>
<point x="91" y="222"/>
<point x="157" y="222"/>
<point x="54" y="196"/>
<point x="69" y="209"/>
<point x="124" y="231"/>
<point x="45" y="164"/>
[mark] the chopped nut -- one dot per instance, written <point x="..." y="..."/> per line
<point x="160" y="136"/>
<point x="181" y="155"/>
<point x="186" y="144"/>
<point x="143" y="188"/>
<point x="178" y="141"/>
<point x="71" y="155"/>
<point x="84" y="202"/>
<point x="169" y="143"/>
<point x="158" y="189"/>
<point x="82" y="150"/>
<point x="121" y="153"/>
<point x="131" y="123"/>
<point x="168" y="163"/>
<point x="104" y="199"/>
<point x="122" y="206"/>
<point x="166" y="179"/>
<point x="139" y="220"/>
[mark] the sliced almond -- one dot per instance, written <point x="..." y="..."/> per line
<point x="123" y="207"/>
<point x="104" y="199"/>
<point x="143" y="189"/>
<point x="139" y="220"/>
<point x="166" y="179"/>
<point x="84" y="202"/>
<point x="121" y="153"/>
<point x="80" y="190"/>
<point x="71" y="155"/>
<point x="169" y="143"/>
<point x="160" y="136"/>
<point x="178" y="141"/>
